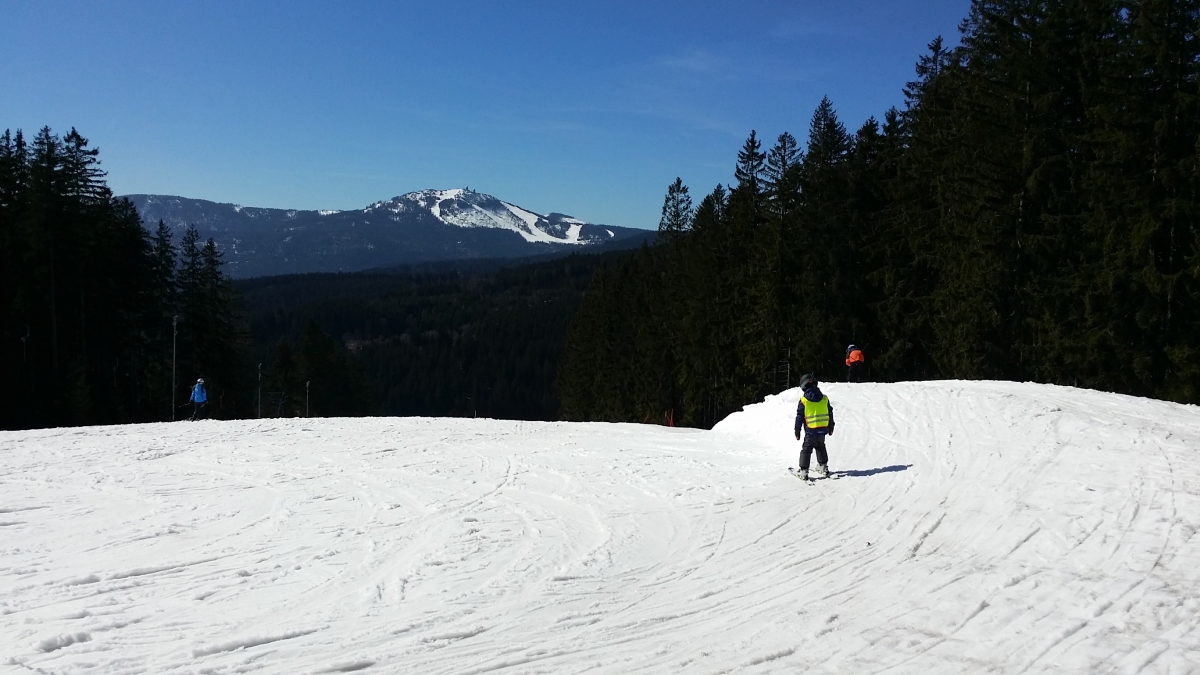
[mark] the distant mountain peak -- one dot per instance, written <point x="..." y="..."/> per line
<point x="463" y="207"/>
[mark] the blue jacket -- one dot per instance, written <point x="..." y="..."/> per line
<point x="813" y="394"/>
<point x="198" y="394"/>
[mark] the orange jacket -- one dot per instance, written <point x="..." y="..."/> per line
<point x="855" y="356"/>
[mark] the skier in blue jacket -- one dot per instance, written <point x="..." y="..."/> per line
<point x="198" y="399"/>
<point x="814" y="421"/>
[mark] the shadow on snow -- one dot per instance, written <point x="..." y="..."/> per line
<point x="859" y="473"/>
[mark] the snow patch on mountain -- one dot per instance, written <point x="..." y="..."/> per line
<point x="529" y="217"/>
<point x="462" y="207"/>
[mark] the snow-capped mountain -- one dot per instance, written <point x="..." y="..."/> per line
<point x="466" y="208"/>
<point x="417" y="227"/>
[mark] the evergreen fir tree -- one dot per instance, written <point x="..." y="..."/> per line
<point x="904" y="255"/>
<point x="708" y="363"/>
<point x="781" y="175"/>
<point x="750" y="164"/>
<point x="220" y="336"/>
<point x="190" y="292"/>
<point x="676" y="213"/>
<point x="818" y="325"/>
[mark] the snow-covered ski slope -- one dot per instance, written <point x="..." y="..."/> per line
<point x="461" y="207"/>
<point x="978" y="527"/>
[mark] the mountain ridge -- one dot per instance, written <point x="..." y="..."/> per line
<point x="416" y="227"/>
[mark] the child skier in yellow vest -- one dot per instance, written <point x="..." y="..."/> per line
<point x="814" y="420"/>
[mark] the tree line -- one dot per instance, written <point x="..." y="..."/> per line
<point x="460" y="341"/>
<point x="94" y="310"/>
<point x="1030" y="213"/>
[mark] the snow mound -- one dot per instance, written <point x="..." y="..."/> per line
<point x="974" y="527"/>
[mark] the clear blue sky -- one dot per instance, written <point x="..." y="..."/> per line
<point x="589" y="109"/>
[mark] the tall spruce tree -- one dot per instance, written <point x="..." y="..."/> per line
<point x="1143" y="132"/>
<point x="906" y="269"/>
<point x="708" y="370"/>
<point x="819" y="324"/>
<point x="676" y="213"/>
<point x="753" y="246"/>
<point x="782" y="178"/>
<point x="210" y="341"/>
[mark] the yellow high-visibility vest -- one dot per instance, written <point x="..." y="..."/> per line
<point x="816" y="413"/>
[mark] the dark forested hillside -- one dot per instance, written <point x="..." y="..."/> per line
<point x="1031" y="213"/>
<point x="88" y="299"/>
<point x="472" y="341"/>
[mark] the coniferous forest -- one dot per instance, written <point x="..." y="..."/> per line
<point x="1029" y="214"/>
<point x="93" y="308"/>
<point x="462" y="341"/>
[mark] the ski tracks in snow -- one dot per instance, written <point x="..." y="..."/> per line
<point x="1035" y="529"/>
<point x="976" y="526"/>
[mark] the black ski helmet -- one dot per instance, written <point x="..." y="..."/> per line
<point x="808" y="382"/>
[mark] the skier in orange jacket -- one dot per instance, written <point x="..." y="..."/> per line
<point x="856" y="362"/>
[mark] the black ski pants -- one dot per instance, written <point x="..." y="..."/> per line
<point x="813" y="442"/>
<point x="855" y="373"/>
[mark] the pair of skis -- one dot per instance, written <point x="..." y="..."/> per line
<point x="811" y="479"/>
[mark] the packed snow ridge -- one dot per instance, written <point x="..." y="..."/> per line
<point x="973" y="527"/>
<point x="466" y="208"/>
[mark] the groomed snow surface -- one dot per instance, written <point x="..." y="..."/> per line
<point x="976" y="527"/>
